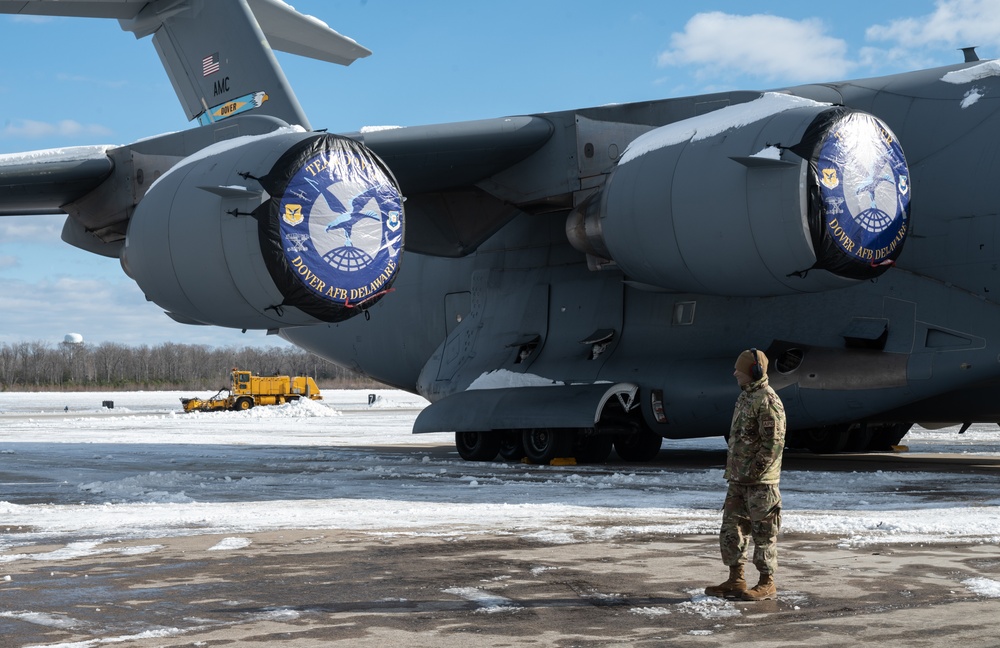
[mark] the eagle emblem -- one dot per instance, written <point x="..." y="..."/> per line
<point x="830" y="179"/>
<point x="293" y="214"/>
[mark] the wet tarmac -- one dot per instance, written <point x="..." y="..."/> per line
<point x="320" y="588"/>
<point x="491" y="587"/>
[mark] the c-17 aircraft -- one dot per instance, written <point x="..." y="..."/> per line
<point x="565" y="283"/>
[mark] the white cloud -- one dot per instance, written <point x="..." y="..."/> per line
<point x="954" y="23"/>
<point x="31" y="129"/>
<point x="31" y="228"/>
<point x="770" y="47"/>
<point x="35" y="20"/>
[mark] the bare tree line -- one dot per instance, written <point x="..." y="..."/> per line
<point x="26" y="366"/>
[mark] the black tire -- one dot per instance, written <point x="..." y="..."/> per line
<point x="542" y="445"/>
<point x="477" y="446"/>
<point x="592" y="449"/>
<point x="886" y="436"/>
<point x="243" y="404"/>
<point x="640" y="446"/>
<point x="511" y="445"/>
<point x="825" y="440"/>
<point x="859" y="438"/>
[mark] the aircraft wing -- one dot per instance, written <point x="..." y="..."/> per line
<point x="41" y="182"/>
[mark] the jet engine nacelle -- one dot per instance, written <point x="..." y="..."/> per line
<point x="776" y="196"/>
<point x="286" y="229"/>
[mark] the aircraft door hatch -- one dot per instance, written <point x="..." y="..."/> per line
<point x="574" y="347"/>
<point x="456" y="308"/>
<point x="502" y="323"/>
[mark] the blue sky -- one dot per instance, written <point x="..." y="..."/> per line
<point x="72" y="81"/>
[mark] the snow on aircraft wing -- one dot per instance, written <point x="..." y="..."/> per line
<point x="40" y="182"/>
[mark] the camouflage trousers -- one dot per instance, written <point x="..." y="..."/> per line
<point x="751" y="511"/>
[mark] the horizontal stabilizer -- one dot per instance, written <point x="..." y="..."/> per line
<point x="215" y="52"/>
<point x="289" y="31"/>
<point x="285" y="28"/>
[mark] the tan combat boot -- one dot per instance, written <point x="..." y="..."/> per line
<point x="734" y="587"/>
<point x="763" y="590"/>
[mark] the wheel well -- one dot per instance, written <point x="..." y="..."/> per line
<point x="621" y="416"/>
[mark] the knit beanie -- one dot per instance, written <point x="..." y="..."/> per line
<point x="746" y="361"/>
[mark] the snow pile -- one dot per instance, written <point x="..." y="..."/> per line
<point x="983" y="587"/>
<point x="973" y="73"/>
<point x="504" y="378"/>
<point x="302" y="408"/>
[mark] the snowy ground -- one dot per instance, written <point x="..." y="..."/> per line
<point x="76" y="478"/>
<point x="145" y="469"/>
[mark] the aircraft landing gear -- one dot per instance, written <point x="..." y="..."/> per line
<point x="511" y="445"/>
<point x="640" y="446"/>
<point x="857" y="437"/>
<point x="477" y="446"/>
<point x="825" y="440"/>
<point x="591" y="448"/>
<point x="542" y="445"/>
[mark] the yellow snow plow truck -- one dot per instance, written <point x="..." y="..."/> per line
<point x="249" y="390"/>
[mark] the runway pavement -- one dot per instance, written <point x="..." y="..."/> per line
<point x="319" y="588"/>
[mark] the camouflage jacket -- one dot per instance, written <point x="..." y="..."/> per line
<point x="757" y="436"/>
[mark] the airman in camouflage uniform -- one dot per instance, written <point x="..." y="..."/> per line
<point x="753" y="469"/>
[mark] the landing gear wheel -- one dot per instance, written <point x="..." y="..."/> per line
<point x="592" y="449"/>
<point x="641" y="446"/>
<point x="511" y="445"/>
<point x="886" y="436"/>
<point x="825" y="440"/>
<point x="243" y="404"/>
<point x="542" y="445"/>
<point x="477" y="446"/>
<point x="859" y="438"/>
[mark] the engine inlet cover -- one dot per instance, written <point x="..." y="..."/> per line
<point x="332" y="232"/>
<point x="860" y="186"/>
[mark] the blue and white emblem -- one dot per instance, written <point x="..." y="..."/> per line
<point x="864" y="186"/>
<point x="342" y="226"/>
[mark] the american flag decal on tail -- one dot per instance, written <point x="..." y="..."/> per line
<point x="210" y="64"/>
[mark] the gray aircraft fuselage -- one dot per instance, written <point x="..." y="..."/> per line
<point x="939" y="362"/>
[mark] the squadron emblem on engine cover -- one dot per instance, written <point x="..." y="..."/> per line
<point x="864" y="186"/>
<point x="343" y="219"/>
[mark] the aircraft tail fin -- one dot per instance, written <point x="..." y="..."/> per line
<point x="218" y="60"/>
<point x="217" y="53"/>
